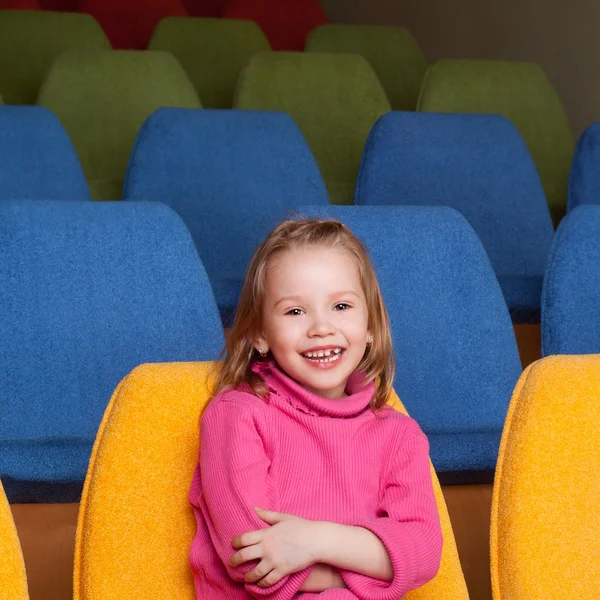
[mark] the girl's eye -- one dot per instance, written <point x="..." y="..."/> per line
<point x="341" y="306"/>
<point x="294" y="312"/>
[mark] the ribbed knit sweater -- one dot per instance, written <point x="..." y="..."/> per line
<point x="316" y="458"/>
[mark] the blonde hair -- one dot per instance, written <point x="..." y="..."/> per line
<point x="239" y="352"/>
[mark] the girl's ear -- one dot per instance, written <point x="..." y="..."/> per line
<point x="260" y="343"/>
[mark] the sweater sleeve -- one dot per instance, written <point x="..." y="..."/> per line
<point x="409" y="525"/>
<point x="234" y="469"/>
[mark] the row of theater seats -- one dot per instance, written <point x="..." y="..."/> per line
<point x="129" y="23"/>
<point x="134" y="510"/>
<point x="335" y="97"/>
<point x="88" y="291"/>
<point x="231" y="174"/>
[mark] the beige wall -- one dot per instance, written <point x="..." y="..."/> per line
<point x="563" y="39"/>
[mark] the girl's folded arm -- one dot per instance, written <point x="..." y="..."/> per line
<point x="386" y="557"/>
<point x="235" y="478"/>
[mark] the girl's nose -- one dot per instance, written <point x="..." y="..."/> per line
<point x="321" y="327"/>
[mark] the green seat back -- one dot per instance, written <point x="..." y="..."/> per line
<point x="393" y="53"/>
<point x="212" y="51"/>
<point x="31" y="40"/>
<point x="102" y="99"/>
<point x="521" y="92"/>
<point x="334" y="98"/>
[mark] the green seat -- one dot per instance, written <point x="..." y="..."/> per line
<point x="31" y="40"/>
<point x="393" y="53"/>
<point x="334" y="98"/>
<point x="212" y="51"/>
<point x="521" y="92"/>
<point x="102" y="99"/>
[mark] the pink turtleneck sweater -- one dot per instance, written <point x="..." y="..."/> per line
<point x="319" y="459"/>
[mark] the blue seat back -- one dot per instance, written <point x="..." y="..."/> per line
<point x="571" y="297"/>
<point x="455" y="373"/>
<point x="584" y="179"/>
<point x="37" y="157"/>
<point x="477" y="164"/>
<point x="231" y="175"/>
<point x="88" y="291"/>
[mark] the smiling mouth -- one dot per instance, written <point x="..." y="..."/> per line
<point x="324" y="356"/>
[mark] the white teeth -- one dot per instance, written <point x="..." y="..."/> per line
<point x="320" y="354"/>
<point x="324" y="355"/>
<point x="327" y="352"/>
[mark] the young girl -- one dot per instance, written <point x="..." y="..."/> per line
<point x="307" y="483"/>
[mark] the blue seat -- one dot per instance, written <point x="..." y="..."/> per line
<point x="38" y="161"/>
<point x="584" y="179"/>
<point x="231" y="175"/>
<point x="88" y="291"/>
<point x="479" y="165"/>
<point x="454" y="373"/>
<point x="571" y="297"/>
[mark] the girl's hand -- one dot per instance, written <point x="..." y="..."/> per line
<point x="289" y="545"/>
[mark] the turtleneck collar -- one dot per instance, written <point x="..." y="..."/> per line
<point x="358" y="399"/>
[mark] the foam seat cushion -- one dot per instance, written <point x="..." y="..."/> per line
<point x="38" y="159"/>
<point x="147" y="448"/>
<point x="13" y="580"/>
<point x="455" y="373"/>
<point x="232" y="176"/>
<point x="571" y="293"/>
<point x="30" y="41"/>
<point x="393" y="53"/>
<point x="545" y="534"/>
<point x="334" y="98"/>
<point x="103" y="98"/>
<point x="212" y="51"/>
<point x="87" y="292"/>
<point x="519" y="91"/>
<point x="479" y="165"/>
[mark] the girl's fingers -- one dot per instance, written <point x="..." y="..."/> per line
<point x="270" y="516"/>
<point x="270" y="579"/>
<point x="247" y="539"/>
<point x="245" y="554"/>
<point x="262" y="569"/>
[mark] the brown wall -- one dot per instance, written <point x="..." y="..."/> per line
<point x="562" y="38"/>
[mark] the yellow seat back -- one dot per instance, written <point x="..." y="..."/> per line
<point x="545" y="529"/>
<point x="135" y="523"/>
<point x="13" y="582"/>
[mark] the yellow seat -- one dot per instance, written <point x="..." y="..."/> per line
<point x="13" y="582"/>
<point x="545" y="529"/>
<point x="135" y="524"/>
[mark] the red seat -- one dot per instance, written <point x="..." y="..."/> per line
<point x="286" y="23"/>
<point x="204" y="8"/>
<point x="19" y="5"/>
<point x="130" y="23"/>
<point x="60" y="5"/>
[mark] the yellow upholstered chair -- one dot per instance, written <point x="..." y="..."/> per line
<point x="13" y="582"/>
<point x="135" y="524"/>
<point x="545" y="531"/>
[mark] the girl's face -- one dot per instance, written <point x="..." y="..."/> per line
<point x="315" y="318"/>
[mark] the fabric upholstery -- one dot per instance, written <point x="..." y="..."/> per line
<point x="286" y="24"/>
<point x="455" y="373"/>
<point x="130" y="23"/>
<point x="521" y="92"/>
<point x="212" y="52"/>
<point x="37" y="157"/>
<point x="13" y="581"/>
<point x="393" y="53"/>
<point x="31" y="40"/>
<point x="479" y="165"/>
<point x="87" y="292"/>
<point x="64" y="5"/>
<point x="19" y="5"/>
<point x="231" y="175"/>
<point x="204" y="8"/>
<point x="334" y="98"/>
<point x="103" y="98"/>
<point x="584" y="180"/>
<point x="545" y="532"/>
<point x="147" y="449"/>
<point x="571" y="293"/>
